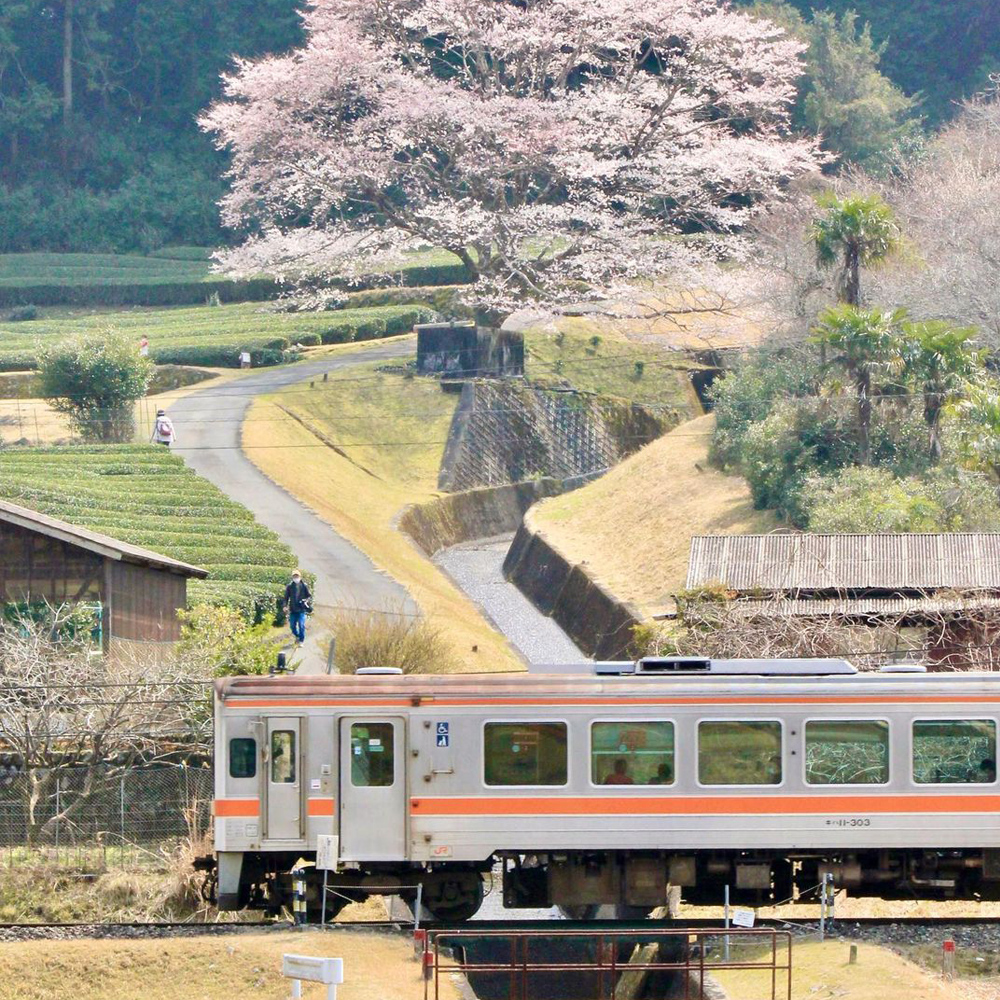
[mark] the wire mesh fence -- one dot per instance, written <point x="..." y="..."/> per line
<point x="109" y="818"/>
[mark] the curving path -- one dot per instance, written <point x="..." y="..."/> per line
<point x="209" y="422"/>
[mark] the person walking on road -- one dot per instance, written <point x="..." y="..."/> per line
<point x="297" y="604"/>
<point x="163" y="429"/>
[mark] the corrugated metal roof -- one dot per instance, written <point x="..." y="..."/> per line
<point x="93" y="541"/>
<point x="791" y="562"/>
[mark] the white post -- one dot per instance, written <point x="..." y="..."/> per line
<point x="822" y="908"/>
<point x="726" y="938"/>
<point x="417" y="906"/>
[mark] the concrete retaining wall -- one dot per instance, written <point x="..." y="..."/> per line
<point x="483" y="513"/>
<point x="594" y="619"/>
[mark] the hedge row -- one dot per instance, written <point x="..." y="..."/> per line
<point x="175" y="293"/>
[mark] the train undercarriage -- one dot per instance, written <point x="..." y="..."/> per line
<point x="578" y="881"/>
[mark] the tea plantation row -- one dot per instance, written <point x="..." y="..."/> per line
<point x="144" y="495"/>
<point x="213" y="335"/>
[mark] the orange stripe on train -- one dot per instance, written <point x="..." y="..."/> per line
<point x="704" y="805"/>
<point x="236" y="807"/>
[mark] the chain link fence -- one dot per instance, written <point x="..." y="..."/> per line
<point x="129" y="819"/>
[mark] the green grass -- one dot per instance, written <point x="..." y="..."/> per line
<point x="144" y="495"/>
<point x="209" y="335"/>
<point x="18" y="269"/>
<point x="612" y="366"/>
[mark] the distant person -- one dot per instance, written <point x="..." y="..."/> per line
<point x="620" y="775"/>
<point x="988" y="770"/>
<point x="297" y="604"/>
<point x="144" y="347"/>
<point x="163" y="429"/>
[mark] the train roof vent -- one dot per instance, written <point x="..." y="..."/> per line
<point x="902" y="668"/>
<point x="378" y="670"/>
<point x="688" y="665"/>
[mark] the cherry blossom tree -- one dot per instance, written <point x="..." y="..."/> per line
<point x="556" y="147"/>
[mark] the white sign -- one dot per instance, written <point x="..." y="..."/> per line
<point x="743" y="918"/>
<point x="327" y="852"/>
<point x="329" y="971"/>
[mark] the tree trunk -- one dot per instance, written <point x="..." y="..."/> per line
<point x="852" y="276"/>
<point x="863" y="383"/>
<point x="933" y="403"/>
<point x="67" y="66"/>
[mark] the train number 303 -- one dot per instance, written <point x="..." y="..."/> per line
<point x="849" y="821"/>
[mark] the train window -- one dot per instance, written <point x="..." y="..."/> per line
<point x="847" y="753"/>
<point x="243" y="757"/>
<point x="373" y="754"/>
<point x="525" y="753"/>
<point x="955" y="752"/>
<point x="283" y="757"/>
<point x="739" y="753"/>
<point x="632" y="753"/>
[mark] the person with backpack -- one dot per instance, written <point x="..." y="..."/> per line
<point x="297" y="604"/>
<point x="163" y="429"/>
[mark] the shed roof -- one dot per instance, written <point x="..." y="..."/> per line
<point x="93" y="541"/>
<point x="804" y="562"/>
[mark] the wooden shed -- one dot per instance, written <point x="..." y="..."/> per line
<point x="45" y="559"/>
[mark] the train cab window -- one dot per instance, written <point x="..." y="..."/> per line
<point x="955" y="752"/>
<point x="525" y="753"/>
<point x="847" y="753"/>
<point x="373" y="754"/>
<point x="283" y="757"/>
<point x="243" y="757"/>
<point x="739" y="753"/>
<point x="632" y="753"/>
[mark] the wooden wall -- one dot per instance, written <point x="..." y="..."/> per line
<point x="144" y="603"/>
<point x="41" y="568"/>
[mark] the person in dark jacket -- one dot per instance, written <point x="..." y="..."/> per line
<point x="297" y="604"/>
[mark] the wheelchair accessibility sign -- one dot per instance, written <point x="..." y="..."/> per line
<point x="443" y="736"/>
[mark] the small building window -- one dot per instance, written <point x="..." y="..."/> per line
<point x="243" y="757"/>
<point x="847" y="753"/>
<point x="283" y="757"/>
<point x="632" y="753"/>
<point x="739" y="753"/>
<point x="373" y="754"/>
<point x="955" y="752"/>
<point x="525" y="753"/>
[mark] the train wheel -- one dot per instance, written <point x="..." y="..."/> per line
<point x="452" y="897"/>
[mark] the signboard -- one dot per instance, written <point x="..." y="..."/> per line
<point x="329" y="971"/>
<point x="743" y="918"/>
<point x="443" y="736"/>
<point x="327" y="852"/>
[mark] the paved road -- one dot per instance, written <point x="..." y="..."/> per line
<point x="208" y="435"/>
<point x="477" y="568"/>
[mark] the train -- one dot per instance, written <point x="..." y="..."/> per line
<point x="584" y="785"/>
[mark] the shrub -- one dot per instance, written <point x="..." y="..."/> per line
<point x="96" y="380"/>
<point x="22" y="313"/>
<point x="390" y="638"/>
<point x="221" y="639"/>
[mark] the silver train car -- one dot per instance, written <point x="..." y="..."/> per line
<point x="610" y="783"/>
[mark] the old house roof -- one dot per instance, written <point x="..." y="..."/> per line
<point x="93" y="541"/>
<point x="794" y="563"/>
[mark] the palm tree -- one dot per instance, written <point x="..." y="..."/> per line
<point x="866" y="342"/>
<point x="855" y="231"/>
<point x="979" y="427"/>
<point x="940" y="361"/>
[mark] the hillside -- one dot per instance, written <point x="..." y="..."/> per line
<point x="633" y="526"/>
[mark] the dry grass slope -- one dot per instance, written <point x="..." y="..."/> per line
<point x="633" y="526"/>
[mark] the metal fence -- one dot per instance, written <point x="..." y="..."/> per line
<point x="133" y="818"/>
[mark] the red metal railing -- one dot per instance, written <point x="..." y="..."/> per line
<point x="694" y="953"/>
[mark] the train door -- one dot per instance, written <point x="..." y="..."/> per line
<point x="373" y="789"/>
<point x="283" y="779"/>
